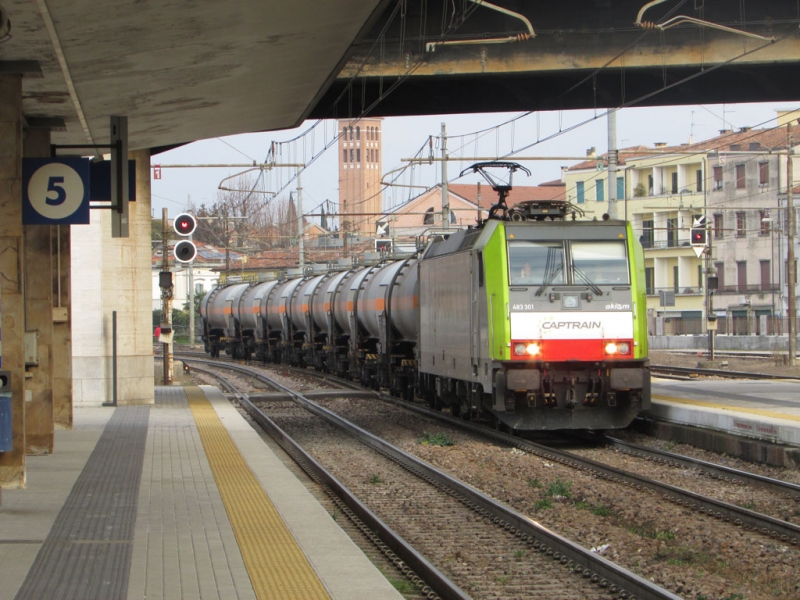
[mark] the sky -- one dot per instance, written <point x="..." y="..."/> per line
<point x="477" y="136"/>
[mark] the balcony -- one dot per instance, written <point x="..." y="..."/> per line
<point x="678" y="291"/>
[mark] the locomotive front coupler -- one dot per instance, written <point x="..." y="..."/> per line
<point x="569" y="396"/>
<point x="548" y="393"/>
<point x="594" y="391"/>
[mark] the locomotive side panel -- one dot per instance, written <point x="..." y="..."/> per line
<point x="445" y="312"/>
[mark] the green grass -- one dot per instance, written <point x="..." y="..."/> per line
<point x="543" y="503"/>
<point x="375" y="478"/>
<point x="559" y="489"/>
<point x="403" y="585"/>
<point x="435" y="439"/>
<point x="534" y="482"/>
<point x="595" y="509"/>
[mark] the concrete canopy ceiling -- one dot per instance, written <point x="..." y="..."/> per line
<point x="179" y="70"/>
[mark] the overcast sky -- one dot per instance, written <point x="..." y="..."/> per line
<point x="566" y="133"/>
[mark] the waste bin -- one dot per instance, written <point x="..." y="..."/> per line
<point x="5" y="412"/>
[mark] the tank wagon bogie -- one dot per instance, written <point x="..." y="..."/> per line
<point x="534" y="320"/>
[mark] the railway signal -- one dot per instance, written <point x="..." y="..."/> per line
<point x="185" y="250"/>
<point x="699" y="236"/>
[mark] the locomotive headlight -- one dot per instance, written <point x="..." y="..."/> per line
<point x="526" y="349"/>
<point x="613" y="348"/>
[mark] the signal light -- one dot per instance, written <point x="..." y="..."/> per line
<point x="185" y="251"/>
<point x="184" y="224"/>
<point x="698" y="236"/>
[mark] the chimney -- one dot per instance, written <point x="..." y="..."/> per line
<point x="591" y="152"/>
<point x="660" y="144"/>
<point x="724" y="131"/>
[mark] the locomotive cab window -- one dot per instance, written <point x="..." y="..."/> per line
<point x="534" y="263"/>
<point x="599" y="263"/>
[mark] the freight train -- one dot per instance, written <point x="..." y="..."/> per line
<point x="531" y="318"/>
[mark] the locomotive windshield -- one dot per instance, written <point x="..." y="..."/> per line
<point x="591" y="263"/>
<point x="534" y="263"/>
<point x="599" y="262"/>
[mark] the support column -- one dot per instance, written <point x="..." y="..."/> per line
<point x="62" y="326"/>
<point x="37" y="261"/>
<point x="114" y="274"/>
<point x="12" y="322"/>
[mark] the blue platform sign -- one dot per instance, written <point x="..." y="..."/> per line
<point x="55" y="191"/>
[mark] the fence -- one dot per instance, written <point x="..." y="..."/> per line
<point x="729" y="325"/>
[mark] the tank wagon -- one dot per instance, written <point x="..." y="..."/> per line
<point x="531" y="318"/>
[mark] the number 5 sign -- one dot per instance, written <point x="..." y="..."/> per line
<point x="55" y="191"/>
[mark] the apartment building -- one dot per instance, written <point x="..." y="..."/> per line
<point x="737" y="181"/>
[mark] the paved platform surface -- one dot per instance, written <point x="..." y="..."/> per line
<point x="132" y="505"/>
<point x="767" y="410"/>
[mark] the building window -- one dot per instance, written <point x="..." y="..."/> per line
<point x="675" y="183"/>
<point x="720" y="269"/>
<point x="740" y="181"/>
<point x="650" y="184"/>
<point x="741" y="275"/>
<point x="698" y="177"/>
<point x="763" y="173"/>
<point x="358" y="155"/>
<point x="600" y="187"/>
<point x="647" y="234"/>
<point x="649" y="278"/>
<point x="428" y="218"/>
<point x="741" y="224"/>
<point x="763" y="215"/>
<point x="620" y="188"/>
<point x="344" y="152"/>
<point x="579" y="192"/>
<point x="717" y="178"/>
<point x="719" y="227"/>
<point x="352" y="155"/>
<point x="766" y="280"/>
<point x="358" y="133"/>
<point x="672" y="232"/>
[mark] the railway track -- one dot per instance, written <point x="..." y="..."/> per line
<point x="514" y="556"/>
<point x="715" y="513"/>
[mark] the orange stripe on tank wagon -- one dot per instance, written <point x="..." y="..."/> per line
<point x="380" y="304"/>
<point x="349" y="305"/>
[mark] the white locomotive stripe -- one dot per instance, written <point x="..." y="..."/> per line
<point x="572" y="325"/>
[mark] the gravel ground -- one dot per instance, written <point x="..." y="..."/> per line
<point x="696" y="557"/>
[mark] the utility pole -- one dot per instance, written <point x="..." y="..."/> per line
<point x="191" y="287"/>
<point x="166" y="299"/>
<point x="711" y="318"/>
<point x="612" y="164"/>
<point x="790" y="276"/>
<point x="191" y="301"/>
<point x="300" y="222"/>
<point x="445" y="195"/>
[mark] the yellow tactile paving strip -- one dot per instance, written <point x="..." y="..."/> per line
<point x="276" y="564"/>
<point x="739" y="409"/>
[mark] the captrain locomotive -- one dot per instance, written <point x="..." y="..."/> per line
<point x="532" y="319"/>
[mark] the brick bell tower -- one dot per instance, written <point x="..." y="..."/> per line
<point x="360" y="194"/>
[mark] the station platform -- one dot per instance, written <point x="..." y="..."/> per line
<point x="756" y="420"/>
<point x="180" y="499"/>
